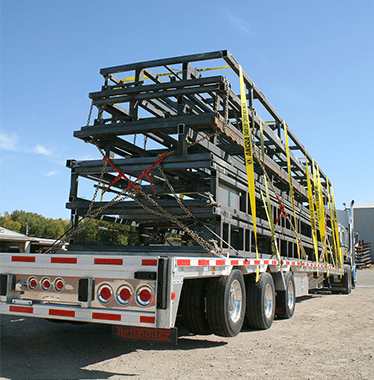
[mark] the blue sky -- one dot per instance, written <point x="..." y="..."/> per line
<point x="313" y="60"/>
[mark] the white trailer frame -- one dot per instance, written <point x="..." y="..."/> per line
<point x="117" y="271"/>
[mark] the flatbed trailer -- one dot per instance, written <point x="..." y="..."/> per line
<point x="211" y="243"/>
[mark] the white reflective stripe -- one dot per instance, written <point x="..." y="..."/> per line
<point x="72" y="260"/>
<point x="181" y="262"/>
<point x="184" y="262"/>
<point x="85" y="315"/>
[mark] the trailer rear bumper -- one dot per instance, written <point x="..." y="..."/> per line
<point x="78" y="314"/>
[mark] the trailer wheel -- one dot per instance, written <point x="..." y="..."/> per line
<point x="342" y="285"/>
<point x="285" y="299"/>
<point x="347" y="280"/>
<point x="226" y="304"/>
<point x="194" y="306"/>
<point x="261" y="302"/>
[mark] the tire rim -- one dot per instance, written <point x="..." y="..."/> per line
<point x="291" y="295"/>
<point x="235" y="301"/>
<point x="269" y="300"/>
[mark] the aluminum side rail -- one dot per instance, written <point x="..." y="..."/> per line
<point x="93" y="287"/>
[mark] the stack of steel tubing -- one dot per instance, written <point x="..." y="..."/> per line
<point x="197" y="119"/>
<point x="363" y="255"/>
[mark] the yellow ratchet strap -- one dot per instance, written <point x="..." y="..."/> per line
<point x="340" y="254"/>
<point x="291" y="187"/>
<point x="334" y="236"/>
<point x="247" y="139"/>
<point x="322" y="214"/>
<point x="312" y="213"/>
<point x="332" y="223"/>
<point x="317" y="200"/>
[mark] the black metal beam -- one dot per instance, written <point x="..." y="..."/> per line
<point x="164" y="62"/>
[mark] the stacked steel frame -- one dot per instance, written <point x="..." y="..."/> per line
<point x="194" y="117"/>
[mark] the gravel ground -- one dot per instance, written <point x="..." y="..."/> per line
<point x="329" y="337"/>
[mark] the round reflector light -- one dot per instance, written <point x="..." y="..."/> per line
<point x="105" y="293"/>
<point x="124" y="295"/>
<point x="45" y="284"/>
<point x="59" y="284"/>
<point x="32" y="283"/>
<point x="144" y="296"/>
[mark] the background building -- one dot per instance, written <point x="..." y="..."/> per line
<point x="11" y="241"/>
<point x="363" y="223"/>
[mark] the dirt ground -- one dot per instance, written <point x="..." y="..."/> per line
<point x="329" y="337"/>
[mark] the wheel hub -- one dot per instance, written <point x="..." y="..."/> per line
<point x="235" y="301"/>
<point x="291" y="295"/>
<point x="268" y="300"/>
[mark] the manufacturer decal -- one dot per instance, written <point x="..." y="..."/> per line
<point x="132" y="332"/>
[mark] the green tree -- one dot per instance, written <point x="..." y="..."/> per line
<point x="94" y="230"/>
<point x="7" y="222"/>
<point x="34" y="224"/>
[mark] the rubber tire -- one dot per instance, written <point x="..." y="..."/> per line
<point x="344" y="286"/>
<point x="219" y="301"/>
<point x="283" y="309"/>
<point x="257" y="302"/>
<point x="193" y="306"/>
<point x="347" y="280"/>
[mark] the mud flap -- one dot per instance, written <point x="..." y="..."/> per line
<point x="144" y="333"/>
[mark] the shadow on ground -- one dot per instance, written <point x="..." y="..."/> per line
<point x="38" y="349"/>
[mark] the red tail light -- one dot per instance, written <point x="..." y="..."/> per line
<point x="105" y="293"/>
<point x="124" y="295"/>
<point x="144" y="296"/>
<point x="45" y="284"/>
<point x="59" y="284"/>
<point x="32" y="283"/>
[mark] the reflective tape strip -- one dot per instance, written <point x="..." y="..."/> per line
<point x="182" y="263"/>
<point x="64" y="260"/>
<point x="21" y="309"/>
<point x="24" y="259"/>
<point x="254" y="263"/>
<point x="203" y="262"/>
<point x="292" y="263"/>
<point x="79" y="259"/>
<point x="69" y="261"/>
<point x="78" y="314"/>
<point x="106" y="316"/>
<point x="147" y="262"/>
<point x="146" y="319"/>
<point x="108" y="261"/>
<point x="229" y="262"/>
<point x="62" y="313"/>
